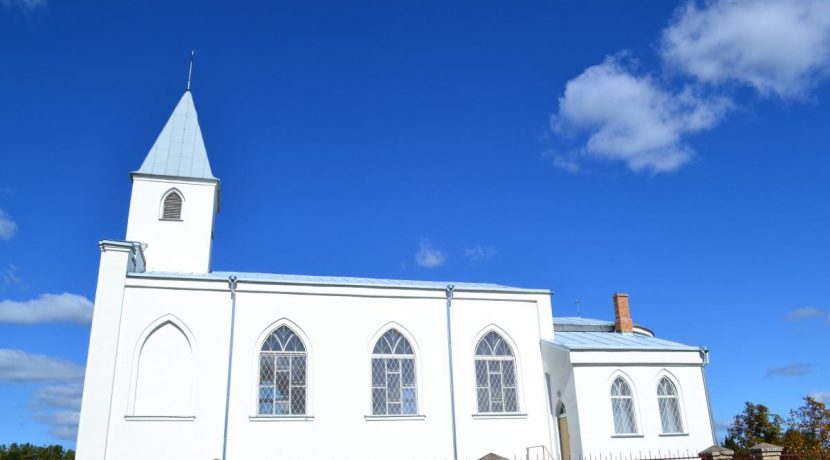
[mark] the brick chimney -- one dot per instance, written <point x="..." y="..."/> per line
<point x="622" y="315"/>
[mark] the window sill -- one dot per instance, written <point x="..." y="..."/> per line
<point x="159" y="418"/>
<point x="170" y="220"/>
<point x="669" y="435"/>
<point x="393" y="418"/>
<point x="496" y="415"/>
<point x="281" y="418"/>
<point x="632" y="435"/>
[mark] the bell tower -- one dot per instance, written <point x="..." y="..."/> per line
<point x="175" y="197"/>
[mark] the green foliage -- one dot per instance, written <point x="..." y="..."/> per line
<point x="30" y="452"/>
<point x="807" y="428"/>
<point x="754" y="425"/>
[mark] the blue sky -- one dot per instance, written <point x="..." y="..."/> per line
<point x="675" y="151"/>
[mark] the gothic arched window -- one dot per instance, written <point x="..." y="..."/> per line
<point x="496" y="387"/>
<point x="282" y="374"/>
<point x="669" y="402"/>
<point x="394" y="384"/>
<point x="171" y="208"/>
<point x="622" y="405"/>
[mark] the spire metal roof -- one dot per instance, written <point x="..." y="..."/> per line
<point x="179" y="149"/>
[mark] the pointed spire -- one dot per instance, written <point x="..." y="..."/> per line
<point x="190" y="70"/>
<point x="179" y="150"/>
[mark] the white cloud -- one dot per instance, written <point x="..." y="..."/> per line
<point x="479" y="253"/>
<point x="25" y="5"/>
<point x="59" y="407"/>
<point x="790" y="370"/>
<point x="428" y="256"/>
<point x="8" y="227"/>
<point x="807" y="313"/>
<point x="775" y="46"/>
<point x="631" y="118"/>
<point x="17" y="366"/>
<point x="823" y="396"/>
<point x="10" y="277"/>
<point x="47" y="308"/>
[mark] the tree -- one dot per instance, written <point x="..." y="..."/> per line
<point x="808" y="427"/>
<point x="28" y="451"/>
<point x="754" y="425"/>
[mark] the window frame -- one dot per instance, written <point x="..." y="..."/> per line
<point x="416" y="353"/>
<point x="163" y="203"/>
<point x="635" y="412"/>
<point x="255" y="375"/>
<point x="517" y="383"/>
<point x="678" y="397"/>
<point x="386" y="358"/>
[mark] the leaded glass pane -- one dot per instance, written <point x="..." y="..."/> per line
<point x="666" y="388"/>
<point x="510" y="402"/>
<point x="624" y="422"/>
<point x="481" y="373"/>
<point x="495" y="376"/>
<point x="379" y="401"/>
<point x="282" y="374"/>
<point x="670" y="414"/>
<point x="394" y="389"/>
<point x="483" y="400"/>
<point x="620" y="388"/>
<point x="408" y="372"/>
<point x="509" y="375"/>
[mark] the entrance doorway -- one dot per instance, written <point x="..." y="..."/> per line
<point x="564" y="437"/>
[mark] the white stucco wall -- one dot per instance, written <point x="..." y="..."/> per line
<point x="338" y="326"/>
<point x="593" y="375"/>
<point x="173" y="246"/>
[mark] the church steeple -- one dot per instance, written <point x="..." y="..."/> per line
<point x="179" y="150"/>
<point x="175" y="197"/>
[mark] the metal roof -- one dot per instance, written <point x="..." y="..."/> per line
<point x="340" y="281"/>
<point x="616" y="341"/>
<point x="179" y="150"/>
<point x="578" y="321"/>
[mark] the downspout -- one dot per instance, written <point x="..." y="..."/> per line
<point x="705" y="355"/>
<point x="232" y="286"/>
<point x="450" y="289"/>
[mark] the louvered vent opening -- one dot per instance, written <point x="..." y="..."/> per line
<point x="172" y="207"/>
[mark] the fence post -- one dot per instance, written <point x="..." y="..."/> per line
<point x="766" y="451"/>
<point x="717" y="453"/>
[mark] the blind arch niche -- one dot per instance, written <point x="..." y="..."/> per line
<point x="163" y="370"/>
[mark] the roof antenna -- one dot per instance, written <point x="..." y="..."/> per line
<point x="578" y="303"/>
<point x="190" y="70"/>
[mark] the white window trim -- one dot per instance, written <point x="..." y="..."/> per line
<point x="517" y="370"/>
<point x="309" y="377"/>
<point x="280" y="418"/>
<point x="394" y="418"/>
<point x="635" y="402"/>
<point x="665" y="373"/>
<point x="420" y="396"/>
<point x="161" y="205"/>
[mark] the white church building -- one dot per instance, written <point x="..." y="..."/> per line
<point x="190" y="363"/>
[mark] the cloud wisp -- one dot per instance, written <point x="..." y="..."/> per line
<point x="790" y="370"/>
<point x="808" y="313"/>
<point x="629" y="117"/>
<point x="8" y="227"/>
<point x="822" y="396"/>
<point x="778" y="47"/>
<point x="18" y="366"/>
<point x="479" y="253"/>
<point x="27" y="6"/>
<point x="47" y="308"/>
<point x="59" y="407"/>
<point x="429" y="256"/>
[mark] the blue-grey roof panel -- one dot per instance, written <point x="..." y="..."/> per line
<point x="179" y="150"/>
<point x="616" y="341"/>
<point x="579" y="321"/>
<point x="342" y="281"/>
